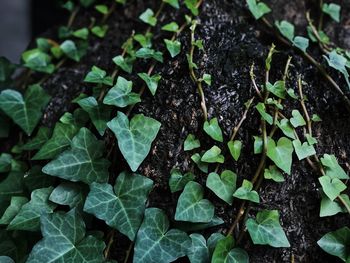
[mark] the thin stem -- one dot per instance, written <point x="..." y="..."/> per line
<point x="322" y="46"/>
<point x="320" y="21"/>
<point x="109" y="245"/>
<point x="128" y="252"/>
<point x="252" y="77"/>
<point x="72" y="17"/>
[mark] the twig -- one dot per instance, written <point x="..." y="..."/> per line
<point x="252" y="77"/>
<point x="109" y="245"/>
<point x="322" y="46"/>
<point x="128" y="252"/>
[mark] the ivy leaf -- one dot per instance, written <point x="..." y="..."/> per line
<point x="28" y="217"/>
<point x="286" y="128"/>
<point x="297" y="120"/>
<point x="207" y="79"/>
<point x="286" y="29"/>
<point x="337" y="243"/>
<point x="68" y="193"/>
<point x="148" y="53"/>
<point x="25" y="111"/>
<point x="274" y="174"/>
<point x="191" y="143"/>
<point x="301" y="42"/>
<point x="103" y="9"/>
<point x="224" y="185"/>
<point x="330" y="208"/>
<point x="148" y="17"/>
<point x="196" y="158"/>
<point x="97" y="75"/>
<point x="35" y="179"/>
<point x="178" y="181"/>
<point x="190" y="227"/>
<point x="246" y="192"/>
<point x="82" y="33"/>
<point x="144" y="40"/>
<point x="315" y="118"/>
<point x="333" y="10"/>
<point x="332" y="168"/>
<point x="278" y="88"/>
<point x="39" y="140"/>
<point x="191" y="206"/>
<point x="125" y="64"/>
<point x="258" y="144"/>
<point x="213" y="155"/>
<point x="120" y="95"/>
<point x="281" y="154"/>
<point x="171" y="27"/>
<point x="303" y="150"/>
<point x="262" y="110"/>
<point x="192" y="6"/>
<point x="83" y="162"/>
<point x="73" y="50"/>
<point x="338" y="62"/>
<point x="65" y="239"/>
<point x="135" y="137"/>
<point x="225" y="252"/>
<point x="213" y="129"/>
<point x="266" y="229"/>
<point x="99" y="113"/>
<point x="173" y="46"/>
<point x="6" y="259"/>
<point x="100" y="31"/>
<point x="331" y="187"/>
<point x="5" y="162"/>
<point x="121" y="207"/>
<point x="173" y="3"/>
<point x="155" y="241"/>
<point x="258" y="9"/>
<point x="235" y="148"/>
<point x="151" y="81"/>
<point x="6" y="69"/>
<point x="12" y="210"/>
<point x="37" y="60"/>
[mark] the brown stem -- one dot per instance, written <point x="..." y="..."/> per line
<point x="322" y="46"/>
<point x="252" y="77"/>
<point x="72" y="16"/>
<point x="109" y="245"/>
<point x="128" y="252"/>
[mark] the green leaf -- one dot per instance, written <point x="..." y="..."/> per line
<point x="83" y="162"/>
<point x="246" y="192"/>
<point x="37" y="60"/>
<point x="39" y="140"/>
<point x="86" y="3"/>
<point x="333" y="10"/>
<point x="148" y="53"/>
<point x="12" y="210"/>
<point x="6" y="69"/>
<point x="207" y="78"/>
<point x="266" y="229"/>
<point x="121" y="94"/>
<point x="121" y="207"/>
<point x="281" y="154"/>
<point x="330" y="208"/>
<point x="191" y="206"/>
<point x="72" y="50"/>
<point x="196" y="158"/>
<point x="303" y="150"/>
<point x="258" y="9"/>
<point x="224" y="185"/>
<point x="28" y="217"/>
<point x="292" y="94"/>
<point x="135" y="137"/>
<point x="99" y="113"/>
<point x="262" y="110"/>
<point x="286" y="128"/>
<point x="338" y="62"/>
<point x="297" y="120"/>
<point x="125" y="64"/>
<point x="151" y="81"/>
<point x="337" y="243"/>
<point x="191" y="143"/>
<point x="97" y="75"/>
<point x="25" y="111"/>
<point x="171" y="27"/>
<point x="213" y="155"/>
<point x="301" y="42"/>
<point x="258" y="144"/>
<point x="144" y="40"/>
<point x="274" y="174"/>
<point x="286" y="29"/>
<point x="5" y="162"/>
<point x="213" y="129"/>
<point x="235" y="148"/>
<point x="99" y="31"/>
<point x="35" y="179"/>
<point x="173" y="3"/>
<point x="5" y="259"/>
<point x="148" y="17"/>
<point x="278" y="88"/>
<point x="315" y="118"/>
<point x="82" y="33"/>
<point x="225" y="252"/>
<point x="331" y="187"/>
<point x="190" y="227"/>
<point x="68" y="193"/>
<point x="65" y="240"/>
<point x="173" y="46"/>
<point x="155" y="242"/>
<point x="178" y="181"/>
<point x="332" y="168"/>
<point x="103" y="9"/>
<point x="192" y="6"/>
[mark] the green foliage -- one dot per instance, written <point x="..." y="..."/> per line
<point x="330" y="208"/>
<point x="82" y="33"/>
<point x="5" y="162"/>
<point x="332" y="187"/>
<point x="246" y="192"/>
<point x="303" y="150"/>
<point x="178" y="181"/>
<point x="191" y="143"/>
<point x="258" y="144"/>
<point x="192" y="6"/>
<point x="213" y="155"/>
<point x="301" y="42"/>
<point x="25" y="111"/>
<point x="173" y="3"/>
<point x="235" y="148"/>
<point x="196" y="158"/>
<point x="224" y="185"/>
<point x="41" y="137"/>
<point x="125" y="64"/>
<point x="333" y="10"/>
<point x="134" y="137"/>
<point x="278" y="88"/>
<point x="274" y="174"/>
<point x="144" y="40"/>
<point x="266" y="229"/>
<point x="201" y="249"/>
<point x="281" y="154"/>
<point x="122" y="207"/>
<point x="37" y="60"/>
<point x="297" y="120"/>
<point x="332" y="168"/>
<point x="148" y="17"/>
<point x="191" y="206"/>
<point x="148" y="53"/>
<point x="97" y="75"/>
<point x="99" y="31"/>
<point x="68" y="193"/>
<point x="74" y="50"/>
<point x="337" y="243"/>
<point x="262" y="110"/>
<point x="207" y="78"/>
<point x="171" y="27"/>
<point x="103" y="9"/>
<point x="338" y="62"/>
<point x="286" y="29"/>
<point x="12" y="210"/>
<point x="173" y="46"/>
<point x="226" y="252"/>
<point x="286" y="128"/>
<point x="154" y="240"/>
<point x="6" y="69"/>
<point x="258" y="9"/>
<point x="213" y="129"/>
<point x="151" y="81"/>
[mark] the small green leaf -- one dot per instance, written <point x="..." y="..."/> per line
<point x="258" y="9"/>
<point x="224" y="185"/>
<point x="191" y="143"/>
<point x="191" y="207"/>
<point x="173" y="3"/>
<point x="292" y="94"/>
<point x="144" y="40"/>
<point x="258" y="144"/>
<point x="25" y="111"/>
<point x="207" y="79"/>
<point x="99" y="31"/>
<point x="82" y="33"/>
<point x="274" y="174"/>
<point x="103" y="9"/>
<point x="332" y="168"/>
<point x="262" y="110"/>
<point x="303" y="150"/>
<point x="338" y="62"/>
<point x="41" y="137"/>
<point x="148" y="17"/>
<point x="225" y="252"/>
<point x="213" y="155"/>
<point x="330" y="208"/>
<point x="151" y="81"/>
<point x="196" y="158"/>
<point x="155" y="241"/>
<point x="68" y="193"/>
<point x="97" y="75"/>
<point x="337" y="243"/>
<point x="278" y="88"/>
<point x="148" y="53"/>
<point x="171" y="27"/>
<point x="125" y="64"/>
<point x="73" y="51"/>
<point x="301" y="42"/>
<point x="333" y="10"/>
<point x="281" y="154"/>
<point x="178" y="181"/>
<point x="246" y="192"/>
<point x="266" y="229"/>
<point x="286" y="29"/>
<point x="38" y="60"/>
<point x="286" y="128"/>
<point x="311" y="140"/>
<point x="235" y="148"/>
<point x="192" y="6"/>
<point x="315" y="118"/>
<point x="12" y="210"/>
<point x="173" y="46"/>
<point x="331" y="187"/>
<point x="213" y="129"/>
<point x="135" y="137"/>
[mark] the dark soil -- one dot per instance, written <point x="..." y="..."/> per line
<point x="232" y="41"/>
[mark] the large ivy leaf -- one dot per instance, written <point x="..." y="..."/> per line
<point x="332" y="168"/>
<point x="156" y="243"/>
<point x="191" y="206"/>
<point x="83" y="162"/>
<point x="65" y="240"/>
<point x="225" y="252"/>
<point x="122" y="207"/>
<point x="38" y="60"/>
<point x="266" y="229"/>
<point x="25" y="111"/>
<point x="281" y="154"/>
<point x="333" y="10"/>
<point x="224" y="185"/>
<point x="303" y="150"/>
<point x="12" y="210"/>
<point x="178" y="181"/>
<point x="28" y="217"/>
<point x="297" y="120"/>
<point x="331" y="187"/>
<point x="134" y="137"/>
<point x="330" y="208"/>
<point x="213" y="129"/>
<point x="337" y="243"/>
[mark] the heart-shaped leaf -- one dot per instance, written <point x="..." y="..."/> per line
<point x="286" y="128"/>
<point x="297" y="120"/>
<point x="332" y="168"/>
<point x="303" y="150"/>
<point x="192" y="207"/>
<point x="337" y="243"/>
<point x="278" y="88"/>
<point x="25" y="111"/>
<point x="196" y="158"/>
<point x="83" y="162"/>
<point x="246" y="192"/>
<point x="173" y="46"/>
<point x="148" y="17"/>
<point x="122" y="207"/>
<point x="213" y="155"/>
<point x="235" y="148"/>
<point x="97" y="75"/>
<point x="333" y="10"/>
<point x="151" y="81"/>
<point x="331" y="187"/>
<point x="213" y="129"/>
<point x="287" y="29"/>
<point x="258" y="9"/>
<point x="39" y="140"/>
<point x="262" y="110"/>
<point x="225" y="252"/>
<point x="281" y="154"/>
<point x="330" y="208"/>
<point x="223" y="186"/>
<point x="134" y="138"/>
<point x="125" y="64"/>
<point x="178" y="181"/>
<point x="266" y="229"/>
<point x="191" y="143"/>
<point x="155" y="242"/>
<point x="274" y="174"/>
